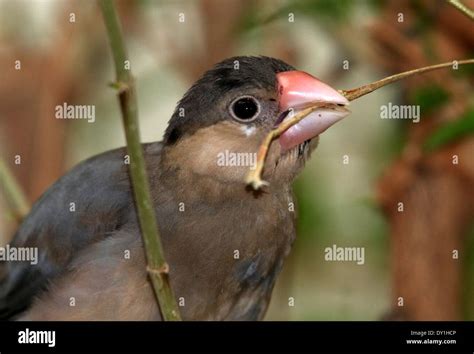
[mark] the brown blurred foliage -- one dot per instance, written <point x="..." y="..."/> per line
<point x="437" y="195"/>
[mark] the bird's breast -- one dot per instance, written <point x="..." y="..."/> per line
<point x="225" y="256"/>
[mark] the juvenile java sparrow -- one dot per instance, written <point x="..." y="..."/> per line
<point x="225" y="244"/>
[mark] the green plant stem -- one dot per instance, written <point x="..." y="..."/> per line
<point x="157" y="267"/>
<point x="463" y="8"/>
<point x="13" y="192"/>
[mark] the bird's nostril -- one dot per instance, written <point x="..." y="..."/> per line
<point x="281" y="117"/>
<point x="280" y="89"/>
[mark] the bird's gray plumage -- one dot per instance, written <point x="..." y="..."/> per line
<point x="225" y="244"/>
<point x="86" y="251"/>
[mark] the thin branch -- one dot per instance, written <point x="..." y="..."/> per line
<point x="364" y="90"/>
<point x="254" y="177"/>
<point x="13" y="192"/>
<point x="157" y="267"/>
<point x="463" y="8"/>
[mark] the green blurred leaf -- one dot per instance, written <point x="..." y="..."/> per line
<point x="376" y="4"/>
<point x="451" y="131"/>
<point x="330" y="12"/>
<point x="465" y="70"/>
<point x="430" y="98"/>
<point x="249" y="20"/>
<point x="310" y="210"/>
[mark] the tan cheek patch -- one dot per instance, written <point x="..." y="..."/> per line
<point x="224" y="150"/>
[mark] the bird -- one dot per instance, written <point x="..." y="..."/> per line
<point x="225" y="243"/>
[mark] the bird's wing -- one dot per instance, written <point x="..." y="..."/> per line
<point x="85" y="206"/>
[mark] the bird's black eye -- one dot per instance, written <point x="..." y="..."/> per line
<point x="245" y="108"/>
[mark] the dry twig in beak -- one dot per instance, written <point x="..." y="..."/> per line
<point x="254" y="177"/>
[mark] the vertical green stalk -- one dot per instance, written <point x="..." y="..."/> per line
<point x="157" y="267"/>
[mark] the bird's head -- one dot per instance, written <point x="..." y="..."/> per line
<point x="220" y="122"/>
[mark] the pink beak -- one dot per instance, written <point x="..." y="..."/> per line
<point x="297" y="90"/>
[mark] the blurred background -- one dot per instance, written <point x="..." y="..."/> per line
<point x="423" y="253"/>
